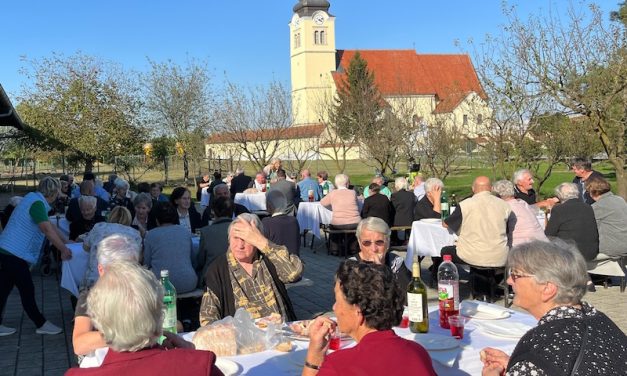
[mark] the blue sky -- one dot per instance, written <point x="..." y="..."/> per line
<point x="246" y="40"/>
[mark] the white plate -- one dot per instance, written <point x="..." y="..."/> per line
<point x="431" y="220"/>
<point x="434" y="342"/>
<point x="486" y="316"/>
<point x="512" y="330"/>
<point x="228" y="367"/>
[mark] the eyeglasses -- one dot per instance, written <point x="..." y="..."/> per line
<point x="514" y="276"/>
<point x="378" y="243"/>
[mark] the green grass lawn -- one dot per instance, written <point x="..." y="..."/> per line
<point x="360" y="174"/>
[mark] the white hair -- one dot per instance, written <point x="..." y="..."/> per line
<point x="247" y="217"/>
<point x="566" y="191"/>
<point x="518" y="175"/>
<point x="126" y="306"/>
<point x="503" y="188"/>
<point x="374" y="224"/>
<point x="341" y="180"/>
<point x="400" y="183"/>
<point x="118" y="247"/>
<point x="49" y="186"/>
<point x="121" y="183"/>
<point x="431" y="183"/>
<point x="87" y="201"/>
<point x="239" y="170"/>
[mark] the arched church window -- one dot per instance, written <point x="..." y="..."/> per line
<point x="316" y="37"/>
<point x="323" y="37"/>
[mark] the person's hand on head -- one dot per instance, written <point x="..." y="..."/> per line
<point x="250" y="233"/>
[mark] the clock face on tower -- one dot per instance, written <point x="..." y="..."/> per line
<point x="319" y="17"/>
<point x="296" y="20"/>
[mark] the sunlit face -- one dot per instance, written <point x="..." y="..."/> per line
<point x="346" y="314"/>
<point x="241" y="250"/>
<point x="260" y="179"/>
<point x="526" y="182"/>
<point x="222" y="192"/>
<point x="579" y="172"/>
<point x="155" y="192"/>
<point x="185" y="201"/>
<point x="527" y="290"/>
<point x="373" y="246"/>
<point x="88" y="211"/>
<point x="276" y="165"/>
<point x="141" y="211"/>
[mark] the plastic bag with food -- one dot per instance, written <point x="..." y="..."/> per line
<point x="236" y="335"/>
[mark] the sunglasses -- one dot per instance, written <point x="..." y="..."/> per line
<point x="515" y="276"/>
<point x="378" y="243"/>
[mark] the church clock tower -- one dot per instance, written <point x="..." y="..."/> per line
<point x="312" y="55"/>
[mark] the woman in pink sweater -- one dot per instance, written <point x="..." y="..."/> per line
<point x="343" y="203"/>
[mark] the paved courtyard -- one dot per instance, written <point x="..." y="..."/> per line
<point x="26" y="353"/>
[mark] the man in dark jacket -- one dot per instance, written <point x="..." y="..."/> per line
<point x="583" y="171"/>
<point x="240" y="182"/>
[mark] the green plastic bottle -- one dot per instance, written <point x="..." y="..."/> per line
<point x="169" y="303"/>
<point x="444" y="205"/>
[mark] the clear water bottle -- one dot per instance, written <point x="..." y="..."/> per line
<point x="448" y="290"/>
<point x="169" y="303"/>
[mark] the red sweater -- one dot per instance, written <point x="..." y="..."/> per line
<point x="155" y="361"/>
<point x="379" y="353"/>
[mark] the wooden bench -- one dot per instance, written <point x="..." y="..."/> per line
<point x="488" y="274"/>
<point x="327" y="232"/>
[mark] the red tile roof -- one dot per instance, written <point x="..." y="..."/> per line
<point x="404" y="72"/>
<point x="302" y="131"/>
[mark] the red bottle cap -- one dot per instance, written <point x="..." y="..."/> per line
<point x="448" y="258"/>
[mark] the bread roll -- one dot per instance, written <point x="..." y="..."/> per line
<point x="218" y="338"/>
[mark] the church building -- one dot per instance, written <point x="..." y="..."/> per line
<point x="442" y="88"/>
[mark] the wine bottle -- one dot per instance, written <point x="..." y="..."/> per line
<point x="444" y="205"/>
<point x="417" y="302"/>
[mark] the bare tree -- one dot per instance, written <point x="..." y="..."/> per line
<point x="179" y="102"/>
<point x="440" y="144"/>
<point x="578" y="66"/>
<point x="256" y="120"/>
<point x="333" y="144"/>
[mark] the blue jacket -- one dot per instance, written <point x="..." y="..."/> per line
<point x="308" y="184"/>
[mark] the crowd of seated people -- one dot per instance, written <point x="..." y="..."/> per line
<point x="245" y="262"/>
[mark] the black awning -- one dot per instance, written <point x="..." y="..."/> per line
<point x="8" y="115"/>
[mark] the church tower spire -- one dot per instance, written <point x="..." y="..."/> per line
<point x="312" y="55"/>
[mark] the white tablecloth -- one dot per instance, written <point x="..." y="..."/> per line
<point x="74" y="269"/>
<point x="310" y="215"/>
<point x="464" y="360"/>
<point x="427" y="239"/>
<point x="252" y="201"/>
<point x="62" y="223"/>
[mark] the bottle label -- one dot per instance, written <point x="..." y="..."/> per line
<point x="414" y="307"/>
<point x="445" y="291"/>
<point x="444" y="206"/>
<point x="169" y="316"/>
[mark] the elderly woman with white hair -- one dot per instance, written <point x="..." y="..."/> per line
<point x="105" y="251"/>
<point x="126" y="306"/>
<point x="573" y="220"/>
<point x="88" y="219"/>
<point x="373" y="235"/>
<point x="120" y="198"/>
<point x="572" y="337"/>
<point x="429" y="205"/>
<point x="345" y="207"/>
<point x="523" y="226"/>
